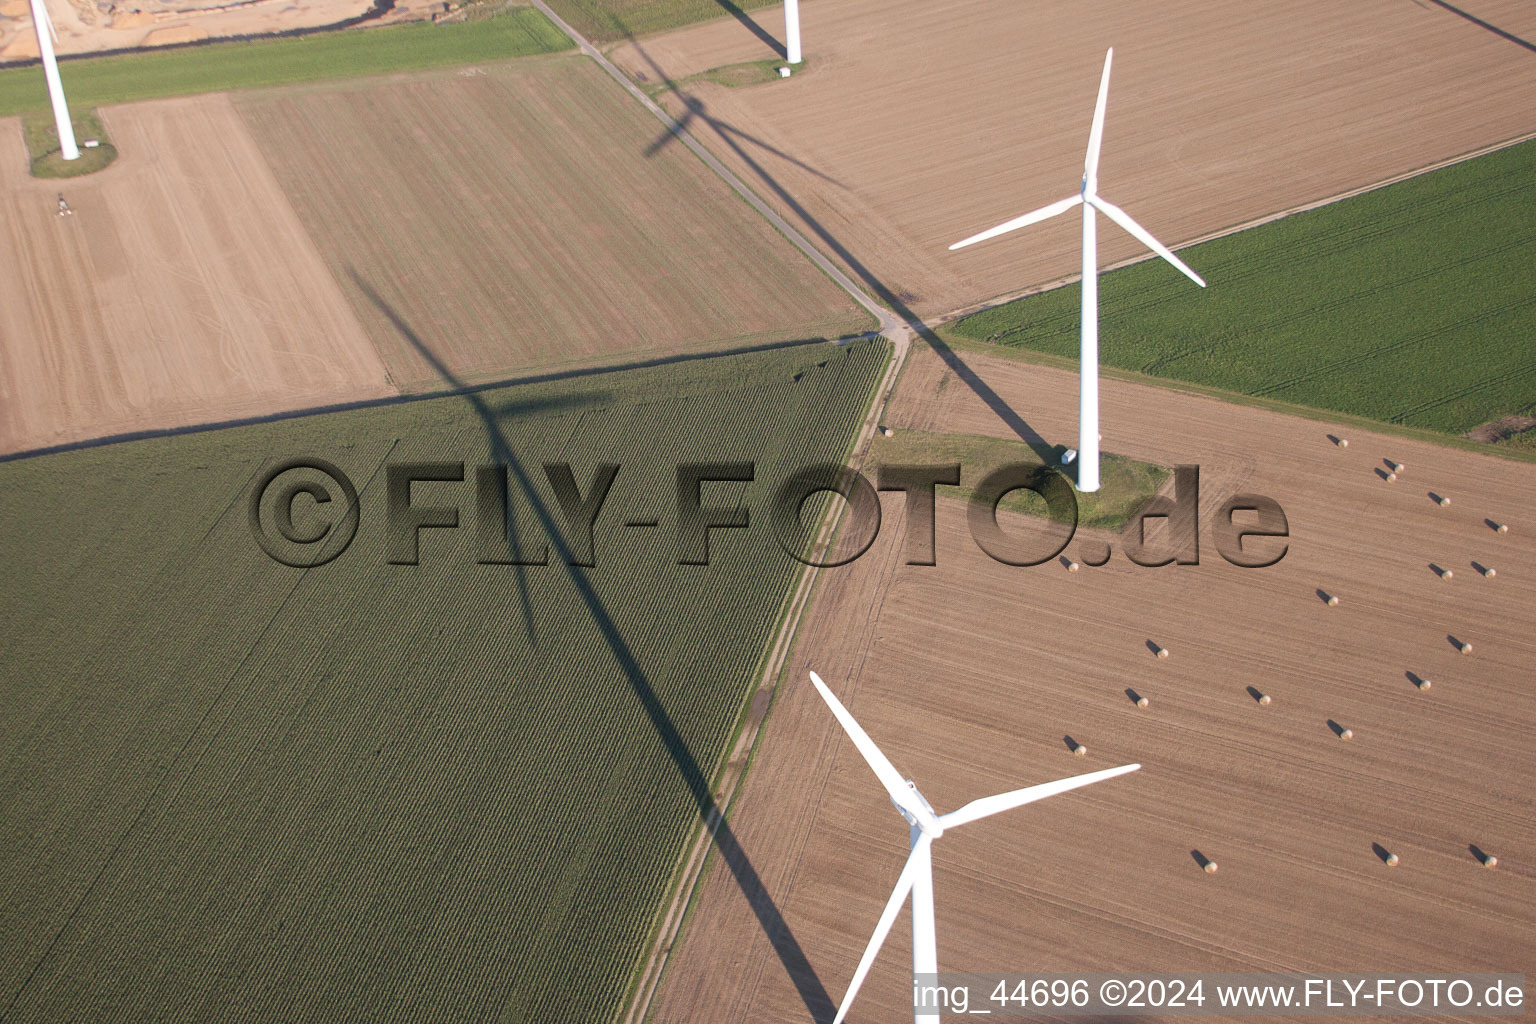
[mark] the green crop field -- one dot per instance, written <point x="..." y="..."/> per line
<point x="1411" y="304"/>
<point x="151" y="74"/>
<point x="607" y="21"/>
<point x="452" y="791"/>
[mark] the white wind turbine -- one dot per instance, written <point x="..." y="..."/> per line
<point x="926" y="826"/>
<point x="1088" y="408"/>
<point x="61" y="120"/>
<point x="792" y="31"/>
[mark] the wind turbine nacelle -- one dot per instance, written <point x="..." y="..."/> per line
<point x="912" y="819"/>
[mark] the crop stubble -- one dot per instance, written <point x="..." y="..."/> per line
<point x="513" y="214"/>
<point x="937" y="120"/>
<point x="183" y="289"/>
<point x="971" y="674"/>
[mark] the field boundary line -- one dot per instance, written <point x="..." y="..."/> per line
<point x="889" y="325"/>
<point x="1232" y="229"/>
<point x="671" y="914"/>
<point x="1322" y="417"/>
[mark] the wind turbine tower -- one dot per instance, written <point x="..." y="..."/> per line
<point x="924" y="826"/>
<point x="791" y="31"/>
<point x="45" y="40"/>
<point x="1089" y="198"/>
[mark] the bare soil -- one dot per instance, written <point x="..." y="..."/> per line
<point x="971" y="675"/>
<point x="925" y="122"/>
<point x="529" y="215"/>
<point x="1502" y="428"/>
<point x="182" y="290"/>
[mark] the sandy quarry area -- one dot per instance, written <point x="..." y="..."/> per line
<point x="88" y="26"/>
<point x="971" y="674"/>
<point x="182" y="290"/>
<point x="931" y="121"/>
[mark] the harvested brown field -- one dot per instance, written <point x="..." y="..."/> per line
<point x="970" y="674"/>
<point x="513" y="217"/>
<point x="182" y="290"/>
<point x="932" y="121"/>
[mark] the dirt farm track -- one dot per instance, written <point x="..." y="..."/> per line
<point x="926" y="122"/>
<point x="971" y="674"/>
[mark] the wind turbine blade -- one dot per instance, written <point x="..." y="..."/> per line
<point x="48" y="20"/>
<point x="989" y="805"/>
<point x="1096" y="133"/>
<point x="889" y="777"/>
<point x="1144" y="236"/>
<point x="883" y="928"/>
<point x="1044" y="213"/>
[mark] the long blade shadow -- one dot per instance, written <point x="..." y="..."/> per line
<point x="1474" y="19"/>
<point x="772" y="922"/>
<point x="1043" y="450"/>
<point x="696" y="107"/>
<point x="746" y="19"/>
<point x="671" y="133"/>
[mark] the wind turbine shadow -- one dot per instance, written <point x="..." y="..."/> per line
<point x="772" y="922"/>
<point x="734" y="11"/>
<point x="752" y="26"/>
<point x="732" y="138"/>
<point x="1480" y="23"/>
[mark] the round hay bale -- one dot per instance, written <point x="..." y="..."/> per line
<point x="1465" y="648"/>
<point x="1347" y="734"/>
<point x="1142" y="702"/>
<point x="1264" y="699"/>
<point x="1503" y="527"/>
<point x="1446" y="574"/>
<point x="1343" y="442"/>
<point x="1444" y="501"/>
<point x="1425" y="684"/>
<point x="1210" y="867"/>
<point x="1397" y="467"/>
<point x="1162" y="652"/>
<point x="1490" y="573"/>
<point x="1079" y="751"/>
<point x="1391" y="478"/>
<point x="886" y="431"/>
<point x="1391" y="860"/>
<point x="1490" y="861"/>
<point x="1333" y="600"/>
<point x="1072" y="567"/>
